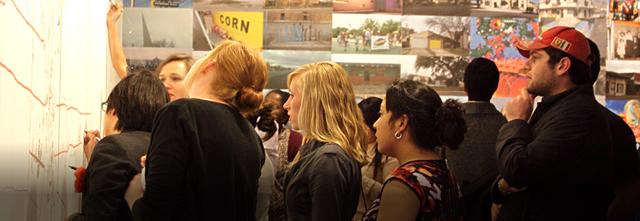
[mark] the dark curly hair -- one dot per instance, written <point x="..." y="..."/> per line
<point x="431" y="122"/>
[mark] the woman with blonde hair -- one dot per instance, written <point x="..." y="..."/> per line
<point x="204" y="159"/>
<point x="324" y="183"/>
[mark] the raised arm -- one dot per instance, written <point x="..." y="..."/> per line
<point x="118" y="60"/>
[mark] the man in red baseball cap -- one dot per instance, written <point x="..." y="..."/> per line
<point x="556" y="163"/>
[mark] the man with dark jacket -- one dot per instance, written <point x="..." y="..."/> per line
<point x="626" y="175"/>
<point x="474" y="163"/>
<point x="555" y="164"/>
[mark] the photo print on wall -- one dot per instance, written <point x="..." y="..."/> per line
<point x="366" y="34"/>
<point x="435" y="35"/>
<point x="495" y="39"/>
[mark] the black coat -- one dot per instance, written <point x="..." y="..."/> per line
<point x="563" y="155"/>
<point x="203" y="163"/>
<point x="474" y="163"/>
<point x="114" y="161"/>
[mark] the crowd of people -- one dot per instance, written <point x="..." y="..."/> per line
<point x="209" y="146"/>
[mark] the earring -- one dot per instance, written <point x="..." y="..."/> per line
<point x="398" y="135"/>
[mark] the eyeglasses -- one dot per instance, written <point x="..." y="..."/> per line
<point x="104" y="106"/>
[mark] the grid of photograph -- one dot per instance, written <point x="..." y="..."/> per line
<point x="379" y="41"/>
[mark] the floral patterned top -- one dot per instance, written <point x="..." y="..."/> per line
<point x="439" y="194"/>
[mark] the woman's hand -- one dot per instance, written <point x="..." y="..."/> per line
<point x="91" y="138"/>
<point x="114" y="13"/>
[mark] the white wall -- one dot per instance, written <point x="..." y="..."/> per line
<point x="52" y="81"/>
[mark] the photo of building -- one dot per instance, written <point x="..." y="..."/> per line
<point x="150" y="27"/>
<point x="229" y="5"/>
<point x="495" y="8"/>
<point x="281" y="63"/>
<point x="158" y="3"/>
<point x="297" y="4"/>
<point x="587" y="16"/>
<point x="368" y="6"/>
<point x="580" y="9"/>
<point x="436" y="7"/>
<point x="298" y="29"/>
<point x="435" y="35"/>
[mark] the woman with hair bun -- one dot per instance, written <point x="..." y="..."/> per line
<point x="204" y="159"/>
<point x="413" y="122"/>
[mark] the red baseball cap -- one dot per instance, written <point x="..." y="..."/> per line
<point x="566" y="39"/>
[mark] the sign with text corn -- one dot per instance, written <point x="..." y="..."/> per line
<point x="245" y="27"/>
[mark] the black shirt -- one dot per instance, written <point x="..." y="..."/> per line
<point x="324" y="185"/>
<point x="203" y="164"/>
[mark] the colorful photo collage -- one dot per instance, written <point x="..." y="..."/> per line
<point x="427" y="40"/>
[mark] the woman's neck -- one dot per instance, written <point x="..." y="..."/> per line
<point x="412" y="152"/>
<point x="207" y="97"/>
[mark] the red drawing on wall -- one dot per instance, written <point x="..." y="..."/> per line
<point x="37" y="159"/>
<point x="26" y="20"/>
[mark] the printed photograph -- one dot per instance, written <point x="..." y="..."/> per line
<point x="158" y="3"/>
<point x="210" y="27"/>
<point x="629" y="110"/>
<point x="624" y="47"/>
<point x="505" y="8"/>
<point x="368" y="6"/>
<point x="282" y="4"/>
<point x="623" y="10"/>
<point x="495" y="39"/>
<point x="139" y="59"/>
<point x="298" y="29"/>
<point x="587" y="16"/>
<point x="444" y="74"/>
<point x="229" y="5"/>
<point x="366" y="34"/>
<point x="371" y="75"/>
<point x="437" y="7"/>
<point x="282" y="62"/>
<point x="435" y="35"/>
<point x="157" y="27"/>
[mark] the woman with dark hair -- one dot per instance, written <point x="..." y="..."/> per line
<point x="413" y="122"/>
<point x="114" y="161"/>
<point x="379" y="166"/>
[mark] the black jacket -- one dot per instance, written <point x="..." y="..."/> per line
<point x="479" y="146"/>
<point x="115" y="160"/>
<point x="203" y="163"/>
<point x="324" y="185"/>
<point x="563" y="155"/>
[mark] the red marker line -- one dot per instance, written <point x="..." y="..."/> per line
<point x="73" y="108"/>
<point x="2" y="2"/>
<point x="61" y="152"/>
<point x="13" y="189"/>
<point x="37" y="159"/>
<point x="44" y="103"/>
<point x="71" y="146"/>
<point x="27" y="21"/>
<point x="40" y="100"/>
